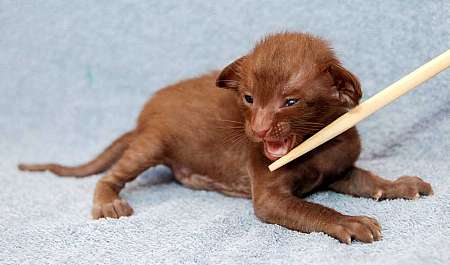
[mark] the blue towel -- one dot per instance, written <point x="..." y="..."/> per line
<point x="75" y="74"/>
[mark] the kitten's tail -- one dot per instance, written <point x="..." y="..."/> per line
<point x="100" y="164"/>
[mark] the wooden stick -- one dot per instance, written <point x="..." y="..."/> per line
<point x="368" y="107"/>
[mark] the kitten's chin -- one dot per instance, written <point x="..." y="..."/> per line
<point x="276" y="149"/>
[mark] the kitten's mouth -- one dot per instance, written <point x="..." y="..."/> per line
<point x="277" y="149"/>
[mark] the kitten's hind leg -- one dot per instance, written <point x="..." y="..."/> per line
<point x="362" y="183"/>
<point x="145" y="151"/>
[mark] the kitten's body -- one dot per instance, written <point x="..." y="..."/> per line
<point x="286" y="89"/>
<point x="205" y="147"/>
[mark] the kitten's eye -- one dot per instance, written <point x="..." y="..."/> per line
<point x="248" y="99"/>
<point x="290" y="102"/>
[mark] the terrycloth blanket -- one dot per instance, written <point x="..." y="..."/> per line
<point x="75" y="74"/>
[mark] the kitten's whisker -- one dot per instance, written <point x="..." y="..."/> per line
<point x="308" y="125"/>
<point x="233" y="134"/>
<point x="239" y="140"/>
<point x="230" y="127"/>
<point x="232" y="141"/>
<point x="232" y="121"/>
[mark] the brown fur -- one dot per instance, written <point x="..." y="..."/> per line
<point x="216" y="140"/>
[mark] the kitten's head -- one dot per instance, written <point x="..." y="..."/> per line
<point x="289" y="86"/>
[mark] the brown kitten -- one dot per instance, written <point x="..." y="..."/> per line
<point x="287" y="88"/>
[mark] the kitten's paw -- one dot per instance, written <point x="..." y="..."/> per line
<point x="361" y="228"/>
<point x="406" y="187"/>
<point x="114" y="209"/>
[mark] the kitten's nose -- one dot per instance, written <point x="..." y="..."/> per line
<point x="261" y="133"/>
<point x="262" y="122"/>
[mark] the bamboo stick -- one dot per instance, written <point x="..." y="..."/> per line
<point x="368" y="107"/>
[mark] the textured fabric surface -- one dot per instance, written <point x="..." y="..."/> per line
<point x="75" y="74"/>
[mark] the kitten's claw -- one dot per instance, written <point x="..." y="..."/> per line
<point x="114" y="209"/>
<point x="361" y="228"/>
<point x="406" y="187"/>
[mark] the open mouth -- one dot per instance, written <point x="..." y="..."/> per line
<point x="277" y="149"/>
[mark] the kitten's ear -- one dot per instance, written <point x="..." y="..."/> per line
<point x="347" y="85"/>
<point x="230" y="75"/>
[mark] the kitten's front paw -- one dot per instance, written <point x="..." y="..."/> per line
<point x="406" y="187"/>
<point x="361" y="228"/>
<point x="114" y="209"/>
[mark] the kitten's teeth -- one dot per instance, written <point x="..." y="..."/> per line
<point x="277" y="149"/>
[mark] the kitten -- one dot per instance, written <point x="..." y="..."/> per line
<point x="286" y="89"/>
